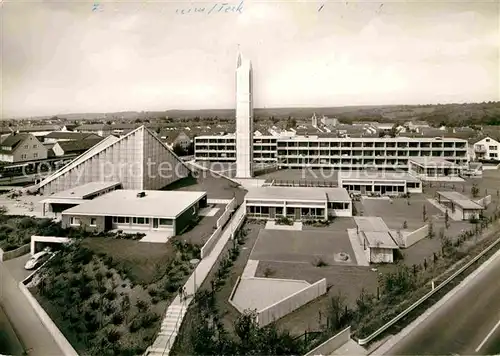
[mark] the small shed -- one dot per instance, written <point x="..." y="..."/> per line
<point x="461" y="207"/>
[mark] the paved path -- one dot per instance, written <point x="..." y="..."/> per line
<point x="357" y="248"/>
<point x="466" y="321"/>
<point x="28" y="326"/>
<point x="177" y="309"/>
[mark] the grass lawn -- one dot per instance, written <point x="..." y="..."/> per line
<point x="141" y="261"/>
<point x="108" y="295"/>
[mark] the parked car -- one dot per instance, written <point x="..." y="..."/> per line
<point x="37" y="259"/>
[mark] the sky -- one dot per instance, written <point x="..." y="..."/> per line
<point x="85" y="56"/>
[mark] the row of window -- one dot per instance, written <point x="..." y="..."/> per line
<point x="139" y="221"/>
<point x="25" y="156"/>
<point x="77" y="222"/>
<point x="27" y="146"/>
<point x="264" y="211"/>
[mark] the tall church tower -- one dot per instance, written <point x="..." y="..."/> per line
<point x="244" y="119"/>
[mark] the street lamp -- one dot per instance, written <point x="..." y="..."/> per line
<point x="194" y="262"/>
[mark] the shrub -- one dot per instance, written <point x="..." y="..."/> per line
<point x="135" y="325"/>
<point x="142" y="305"/>
<point x="148" y="319"/>
<point x="283" y="220"/>
<point x="320" y="263"/>
<point x="117" y="318"/>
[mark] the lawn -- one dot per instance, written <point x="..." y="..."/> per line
<point x="108" y="295"/>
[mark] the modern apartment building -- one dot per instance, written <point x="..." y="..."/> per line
<point x="341" y="153"/>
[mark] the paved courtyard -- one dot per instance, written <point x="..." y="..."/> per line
<point x="307" y="247"/>
<point x="259" y="293"/>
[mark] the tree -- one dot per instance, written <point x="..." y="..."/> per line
<point x="424" y="213"/>
<point x="430" y="230"/>
<point x="405" y="225"/>
<point x="474" y="190"/>
<point x="446" y="219"/>
<point x="179" y="150"/>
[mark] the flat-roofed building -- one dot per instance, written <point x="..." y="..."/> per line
<point x="390" y="153"/>
<point x="135" y="210"/>
<point x="58" y="202"/>
<point x="378" y="182"/>
<point x="298" y="203"/>
<point x="434" y="167"/>
<point x="377" y="240"/>
<point x="460" y="207"/>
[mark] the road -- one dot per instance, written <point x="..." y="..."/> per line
<point x="33" y="334"/>
<point x="468" y="324"/>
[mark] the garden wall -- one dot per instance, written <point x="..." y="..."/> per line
<point x="291" y="303"/>
<point x="5" y="256"/>
<point x="484" y="201"/>
<point x="332" y="344"/>
<point x="415" y="236"/>
<point x="58" y="336"/>
<point x="211" y="242"/>
<point x="223" y="219"/>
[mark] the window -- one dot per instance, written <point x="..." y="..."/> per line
<point x="93" y="222"/>
<point x="121" y="220"/>
<point x="35" y="146"/>
<point x="35" y="155"/>
<point x="493" y="148"/>
<point x="140" y="221"/>
<point x="26" y="146"/>
<point x="166" y="222"/>
<point x="23" y="156"/>
<point x="74" y="221"/>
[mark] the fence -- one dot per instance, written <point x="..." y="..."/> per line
<point x="8" y="255"/>
<point x="332" y="344"/>
<point x="58" y="336"/>
<point x="291" y="303"/>
<point x="425" y="297"/>
<point x="415" y="236"/>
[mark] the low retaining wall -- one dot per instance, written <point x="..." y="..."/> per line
<point x="58" y="336"/>
<point x="5" y="256"/>
<point x="415" y="236"/>
<point x="332" y="344"/>
<point x="484" y="201"/>
<point x="291" y="303"/>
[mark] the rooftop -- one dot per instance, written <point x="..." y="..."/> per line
<point x="298" y="193"/>
<point x="156" y="204"/>
<point x="83" y="191"/>
<point x="79" y="145"/>
<point x="371" y="224"/>
<point x="378" y="175"/>
<point x="379" y="239"/>
<point x="433" y="161"/>
<point x="460" y="200"/>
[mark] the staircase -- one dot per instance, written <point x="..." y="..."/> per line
<point x="168" y="331"/>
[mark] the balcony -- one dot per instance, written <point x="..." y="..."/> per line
<point x="480" y="148"/>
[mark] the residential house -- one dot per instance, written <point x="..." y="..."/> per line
<point x="65" y="148"/>
<point x="21" y="147"/>
<point x="102" y="130"/>
<point x="487" y="149"/>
